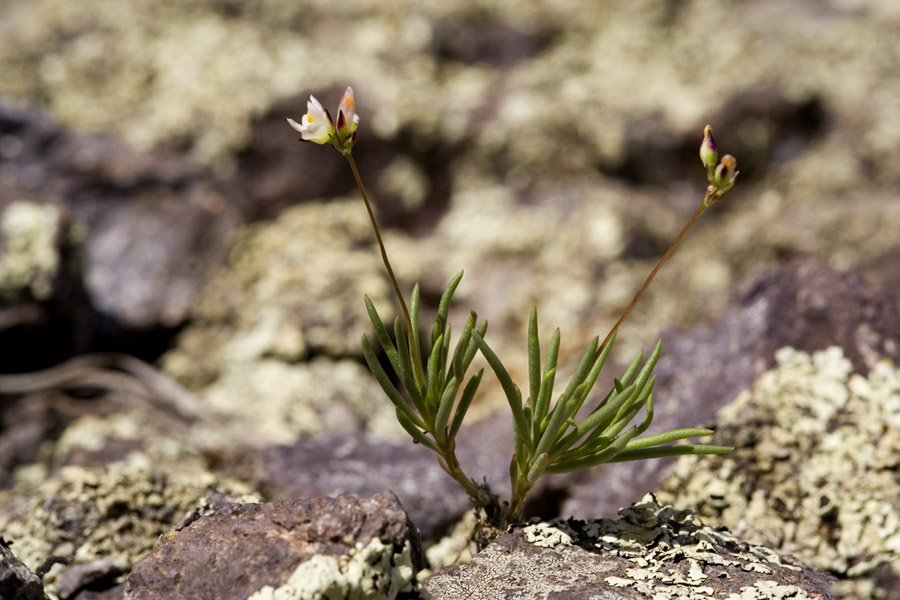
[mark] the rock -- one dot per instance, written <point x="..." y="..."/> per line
<point x="342" y="547"/>
<point x="803" y="304"/>
<point x="104" y="242"/>
<point x="100" y="573"/>
<point x="814" y="470"/>
<point x="362" y="464"/>
<point x="97" y="409"/>
<point x="275" y="337"/>
<point x="87" y="527"/>
<point x="17" y="582"/>
<point x="652" y="551"/>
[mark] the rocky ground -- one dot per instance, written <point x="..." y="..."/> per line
<point x="181" y="288"/>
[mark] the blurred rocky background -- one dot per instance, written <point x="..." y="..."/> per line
<point x="156" y="209"/>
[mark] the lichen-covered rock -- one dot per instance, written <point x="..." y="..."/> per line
<point x="814" y="471"/>
<point x="326" y="549"/>
<point x="803" y="304"/>
<point x="653" y="551"/>
<point x="100" y="523"/>
<point x="293" y="288"/>
<point x="96" y="239"/>
<point x="30" y="236"/>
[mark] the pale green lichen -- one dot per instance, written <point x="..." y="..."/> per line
<point x="376" y="571"/>
<point x="655" y="538"/>
<point x="456" y="548"/>
<point x="29" y="256"/>
<point x="671" y="553"/>
<point x="814" y="470"/>
<point x="293" y="288"/>
<point x="548" y="535"/>
<point x="771" y="589"/>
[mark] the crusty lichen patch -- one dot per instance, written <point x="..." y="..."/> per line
<point x="294" y="288"/>
<point x="29" y="256"/>
<point x="118" y="513"/>
<point x="815" y="469"/>
<point x="549" y="535"/>
<point x="671" y="553"/>
<point x="376" y="571"/>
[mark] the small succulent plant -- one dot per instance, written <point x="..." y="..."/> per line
<point x="431" y="387"/>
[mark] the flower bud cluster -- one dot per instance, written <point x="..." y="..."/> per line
<point x="317" y="125"/>
<point x="720" y="174"/>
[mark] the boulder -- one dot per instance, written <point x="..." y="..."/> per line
<point x="344" y="547"/>
<point x="652" y="551"/>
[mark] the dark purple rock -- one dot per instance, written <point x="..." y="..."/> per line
<point x="803" y="304"/>
<point x="363" y="464"/>
<point x="242" y="547"/>
<point x="83" y="579"/>
<point x="155" y="224"/>
<point x="17" y="582"/>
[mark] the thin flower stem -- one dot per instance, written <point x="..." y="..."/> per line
<point x="652" y="274"/>
<point x="384" y="258"/>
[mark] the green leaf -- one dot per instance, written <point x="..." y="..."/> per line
<point x="385" y="383"/>
<point x="534" y="357"/>
<point x="597" y="458"/>
<point x="582" y="391"/>
<point x="542" y="405"/>
<point x="444" y="306"/>
<point x="513" y="397"/>
<point x="663" y="451"/>
<point x="462" y="344"/>
<point x="628" y="375"/>
<point x="435" y="375"/>
<point x="406" y="372"/>
<point x="668" y="437"/>
<point x="473" y="346"/>
<point x="381" y="333"/>
<point x="415" y="351"/>
<point x="630" y="410"/>
<point x="582" y="370"/>
<point x="464" y="402"/>
<point x="648" y="418"/>
<point x="537" y="469"/>
<point x="415" y="432"/>
<point x="443" y="412"/>
<point x="597" y="421"/>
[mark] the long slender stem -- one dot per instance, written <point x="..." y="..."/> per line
<point x="652" y="274"/>
<point x="387" y="263"/>
<point x="384" y="256"/>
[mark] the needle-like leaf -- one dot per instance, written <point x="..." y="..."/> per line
<point x="513" y="397"/>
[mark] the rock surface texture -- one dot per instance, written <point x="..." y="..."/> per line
<point x="327" y="548"/>
<point x="653" y="551"/>
<point x="803" y="304"/>
<point x="17" y="582"/>
<point x="815" y="467"/>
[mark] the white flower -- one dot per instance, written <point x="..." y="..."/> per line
<point x="316" y="125"/>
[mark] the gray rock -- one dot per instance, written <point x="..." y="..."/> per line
<point x="333" y="547"/>
<point x="102" y="241"/>
<point x="363" y="464"/>
<point x="653" y="551"/>
<point x="803" y="304"/>
<point x="98" y="524"/>
<point x="17" y="582"/>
